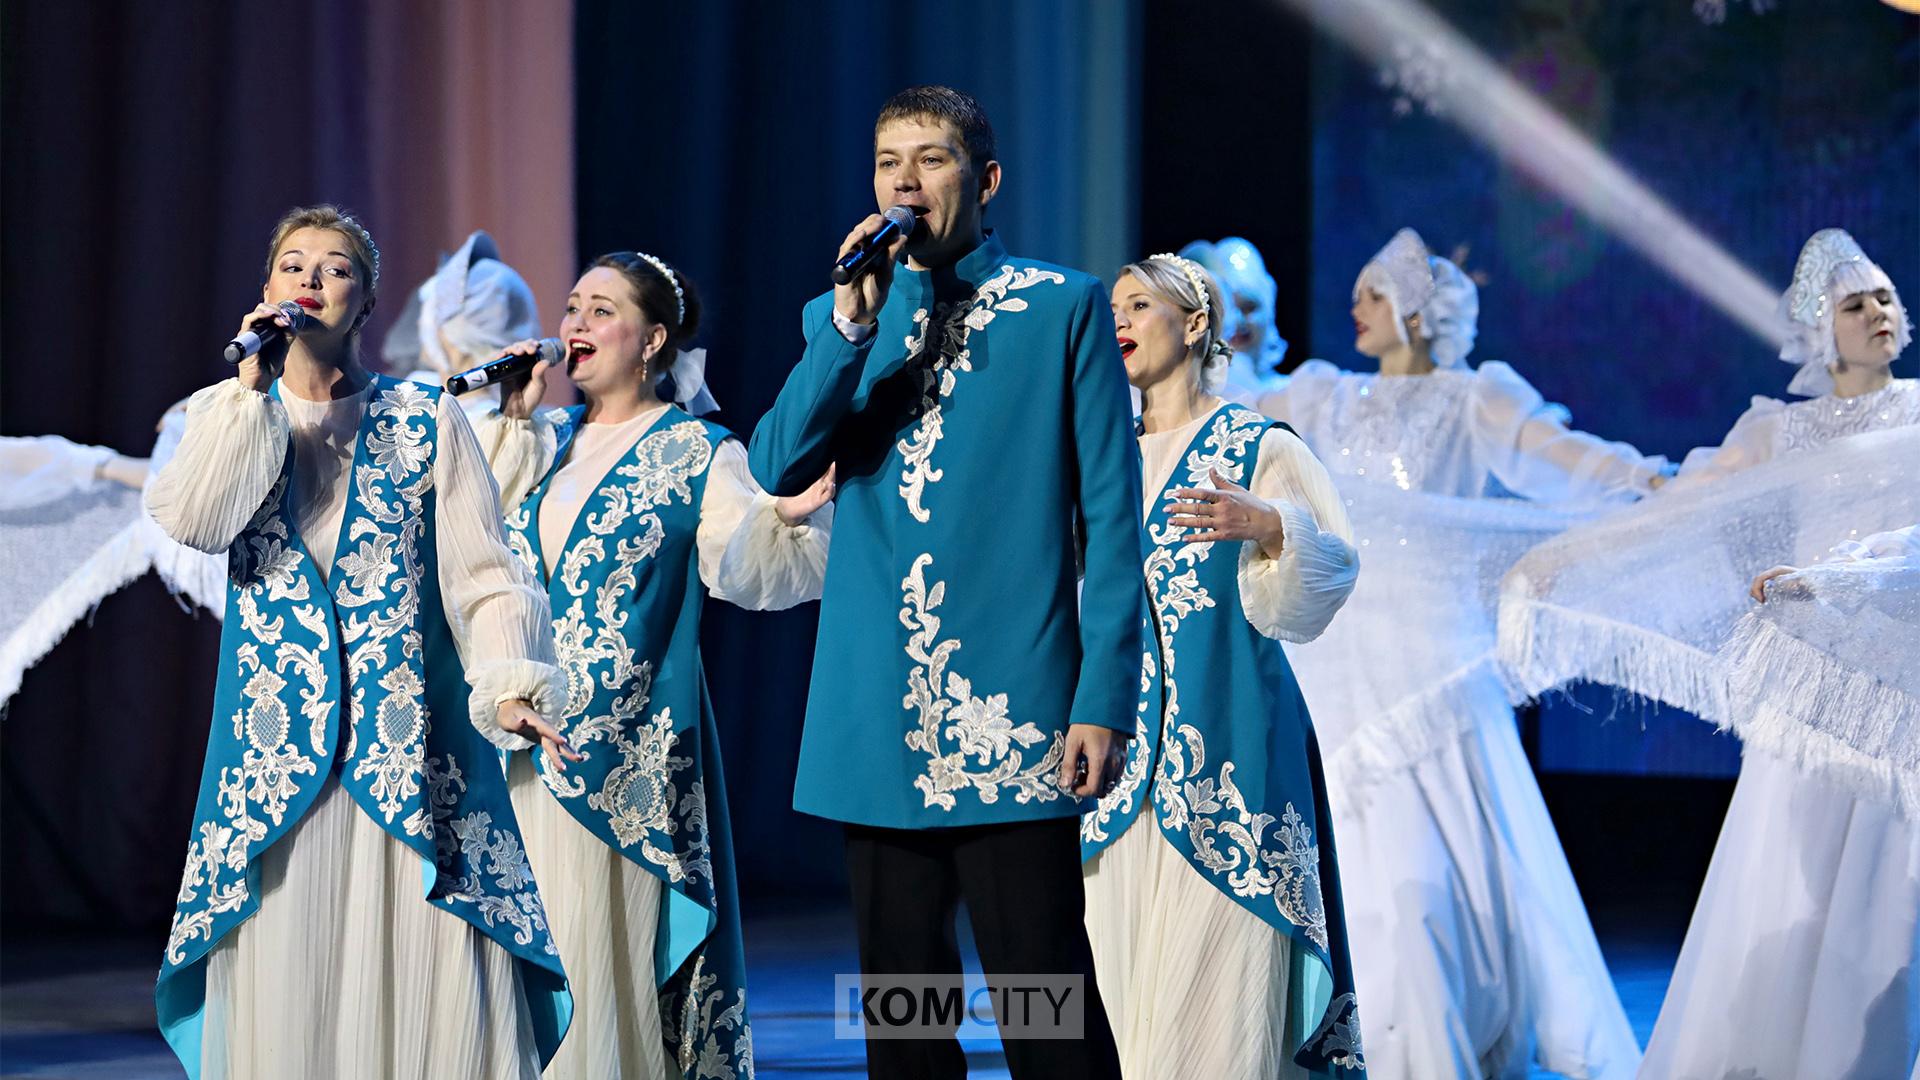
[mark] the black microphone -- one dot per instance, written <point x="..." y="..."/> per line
<point x="506" y="367"/>
<point x="902" y="220"/>
<point x="264" y="332"/>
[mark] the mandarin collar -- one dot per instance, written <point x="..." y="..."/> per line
<point x="922" y="287"/>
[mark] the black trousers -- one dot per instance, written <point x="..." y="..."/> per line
<point x="1021" y="884"/>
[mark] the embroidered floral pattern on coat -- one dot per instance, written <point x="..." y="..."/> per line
<point x="954" y="728"/>
<point x="940" y="369"/>
<point x="1257" y="859"/>
<point x="695" y="1018"/>
<point x="948" y="712"/>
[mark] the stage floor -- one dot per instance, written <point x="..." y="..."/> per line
<point x="84" y="1010"/>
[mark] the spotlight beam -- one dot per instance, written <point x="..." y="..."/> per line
<point x="1490" y="105"/>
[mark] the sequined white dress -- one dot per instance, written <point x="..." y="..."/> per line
<point x="1472" y="950"/>
<point x="1771" y="428"/>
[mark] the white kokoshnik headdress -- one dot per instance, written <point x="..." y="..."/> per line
<point x="1403" y="271"/>
<point x="1451" y="317"/>
<point x="1415" y="281"/>
<point x="1831" y="267"/>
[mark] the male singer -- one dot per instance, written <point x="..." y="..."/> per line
<point x="962" y="702"/>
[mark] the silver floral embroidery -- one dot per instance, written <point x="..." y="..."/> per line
<point x="640" y="796"/>
<point x="1338" y="1041"/>
<point x="947" y="710"/>
<point x="1211" y="808"/>
<point x="492" y="852"/>
<point x="940" y="370"/>
<point x="701" y="1055"/>
<point x="261" y="786"/>
<point x="383" y="567"/>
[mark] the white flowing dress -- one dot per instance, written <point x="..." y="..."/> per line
<point x="1803" y="956"/>
<point x="1195" y="984"/>
<point x="1472" y="951"/>
<point x="346" y="970"/>
<point x="603" y="907"/>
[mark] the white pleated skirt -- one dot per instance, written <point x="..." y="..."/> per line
<point x="346" y="971"/>
<point x="604" y="913"/>
<point x="1803" y="957"/>
<point x="1194" y="984"/>
<point x="1472" y="951"/>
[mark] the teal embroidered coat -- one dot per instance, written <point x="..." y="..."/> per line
<point x="984" y="449"/>
<point x="361" y="683"/>
<point x="626" y="620"/>
<point x="1226" y="752"/>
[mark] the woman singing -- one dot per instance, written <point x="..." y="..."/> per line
<point x="356" y="900"/>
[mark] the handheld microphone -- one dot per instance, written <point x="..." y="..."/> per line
<point x="901" y="221"/>
<point x="264" y="332"/>
<point x="506" y="367"/>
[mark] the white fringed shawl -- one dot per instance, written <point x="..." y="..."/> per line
<point x="1648" y="599"/>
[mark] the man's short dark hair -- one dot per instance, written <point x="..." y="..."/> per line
<point x="944" y="103"/>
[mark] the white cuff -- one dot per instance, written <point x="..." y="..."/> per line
<point x="770" y="565"/>
<point x="542" y="685"/>
<point x="855" y="333"/>
<point x="1293" y="597"/>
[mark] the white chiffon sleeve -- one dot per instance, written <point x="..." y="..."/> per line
<point x="1302" y="399"/>
<point x="1295" y="596"/>
<point x="1898" y="544"/>
<point x="748" y="556"/>
<point x="47" y="468"/>
<point x="518" y="451"/>
<point x="227" y="462"/>
<point x="1750" y="443"/>
<point x="1529" y="448"/>
<point x="501" y="623"/>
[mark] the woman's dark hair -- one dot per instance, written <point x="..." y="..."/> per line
<point x="653" y="289"/>
<point x="653" y="286"/>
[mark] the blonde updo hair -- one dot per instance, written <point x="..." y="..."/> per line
<point x="1188" y="286"/>
<point x="360" y="249"/>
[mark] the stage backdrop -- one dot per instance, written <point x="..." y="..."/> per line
<point x="735" y="140"/>
<point x="1759" y="130"/>
<point x="149" y="150"/>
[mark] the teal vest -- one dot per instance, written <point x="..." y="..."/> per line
<point x="626" y="605"/>
<point x="1231" y="765"/>
<point x="292" y="652"/>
